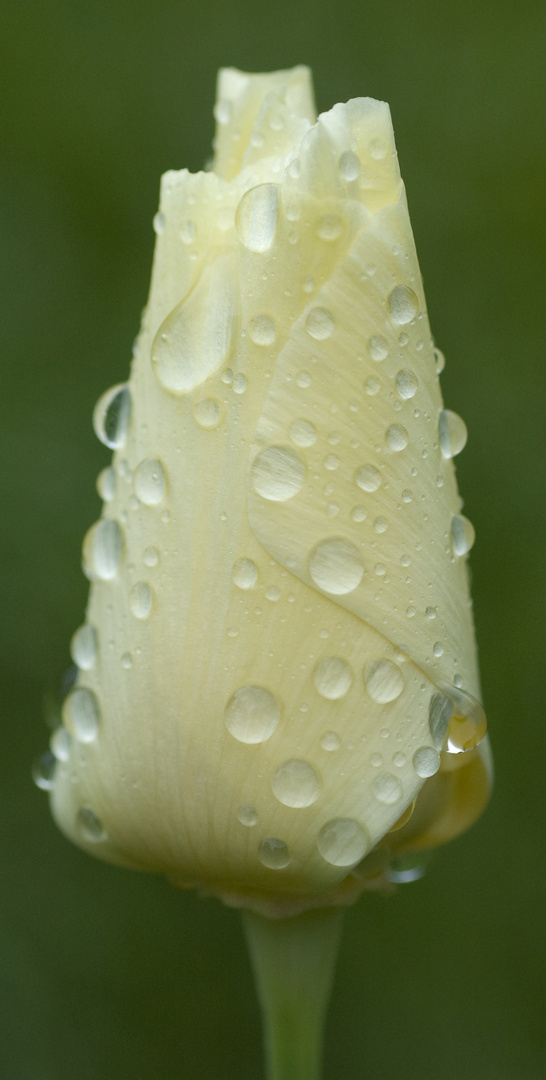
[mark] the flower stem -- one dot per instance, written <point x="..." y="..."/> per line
<point x="293" y="962"/>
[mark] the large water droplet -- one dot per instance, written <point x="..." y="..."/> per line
<point x="319" y="323"/>
<point x="468" y="723"/>
<point x="252" y="714"/>
<point x="278" y="474"/>
<point x="43" y="771"/>
<point x="462" y="534"/>
<point x="150" y="481"/>
<point x="274" y="853"/>
<point x="336" y="566"/>
<point x="303" y="433"/>
<point x="426" y="761"/>
<point x="89" y="825"/>
<point x="262" y="330"/>
<point x="197" y="336"/>
<point x="332" y="677"/>
<point x="343" y="842"/>
<point x="256" y="217"/>
<point x="112" y="415"/>
<point x="81" y="714"/>
<point x="396" y="437"/>
<point x="406" y="383"/>
<point x="141" y="599"/>
<point x="296" y="783"/>
<point x="83" y="647"/>
<point x="403" y="304"/>
<point x="103" y="548"/>
<point x="387" y="789"/>
<point x="368" y="478"/>
<point x="245" y="574"/>
<point x="384" y="680"/>
<point x="452" y="432"/>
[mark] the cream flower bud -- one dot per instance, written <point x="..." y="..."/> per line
<point x="278" y="655"/>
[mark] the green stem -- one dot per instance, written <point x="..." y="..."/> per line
<point x="293" y="962"/>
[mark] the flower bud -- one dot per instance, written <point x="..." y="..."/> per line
<point x="277" y="673"/>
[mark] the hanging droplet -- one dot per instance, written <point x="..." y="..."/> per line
<point x="106" y="484"/>
<point x="452" y="433"/>
<point x="83" y="647"/>
<point x="103" y="548"/>
<point x="468" y="723"/>
<point x="43" y="771"/>
<point x="112" y="415"/>
<point x="81" y="714"/>
<point x="463" y="534"/>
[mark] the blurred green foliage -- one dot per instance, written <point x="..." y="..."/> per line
<point x="107" y="974"/>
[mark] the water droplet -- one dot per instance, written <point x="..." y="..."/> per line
<point x="81" y="714"/>
<point x="222" y="111"/>
<point x="399" y="759"/>
<point x="188" y="232"/>
<point x="358" y="514"/>
<point x="256" y="217"/>
<point x="83" y="647"/>
<point x="43" y="771"/>
<point x="368" y="478"/>
<point x="403" y="304"/>
<point x="378" y="149"/>
<point x="60" y="744"/>
<point x="439" y="714"/>
<point x="426" y="761"/>
<point x="252" y="714"/>
<point x="207" y="413"/>
<point x="329" y="227"/>
<point x="406" y="383"/>
<point x="262" y="330"/>
<point x="330" y="741"/>
<point x="141" y="599"/>
<point x="438" y="649"/>
<point x="90" y="826"/>
<point x="126" y="661"/>
<point x="452" y="432"/>
<point x="372" y="387"/>
<point x="406" y="868"/>
<point x="387" y="789"/>
<point x="151" y="556"/>
<point x="296" y="783"/>
<point x="150" y="481"/>
<point x="380" y="525"/>
<point x="331" y="462"/>
<point x="319" y="323"/>
<point x="349" y="165"/>
<point x="303" y="380"/>
<point x="384" y="680"/>
<point x="239" y="383"/>
<point x="278" y="474"/>
<point x="343" y="842"/>
<point x="111" y="416"/>
<point x="159" y="223"/>
<point x="103" y="548"/>
<point x="273" y="593"/>
<point x="439" y="360"/>
<point x="303" y="433"/>
<point x="411" y="611"/>
<point x="462" y="534"/>
<point x="396" y="437"/>
<point x="247" y="815"/>
<point x="274" y="853"/>
<point x="378" y="347"/>
<point x="106" y="484"/>
<point x="332" y="677"/>
<point x="245" y="574"/>
<point x="468" y="723"/>
<point x="336" y="566"/>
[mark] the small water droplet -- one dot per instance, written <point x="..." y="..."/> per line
<point x="277" y="474"/>
<point x="262" y="330"/>
<point x="378" y="149"/>
<point x="151" y="556"/>
<point x="439" y="360"/>
<point x="43" y="771"/>
<point x="349" y="165"/>
<point x="452" y="433"/>
<point x="336" y="566"/>
<point x="462" y="534"/>
<point x="384" y="680"/>
<point x="332" y="677"/>
<point x="343" y="842"/>
<point x="358" y="514"/>
<point x="81" y="714"/>
<point x="368" y="478"/>
<point x="331" y="462"/>
<point x="188" y="232"/>
<point x="330" y="741"/>
<point x="303" y="433"/>
<point x="222" y="112"/>
<point x="256" y="217"/>
<point x="150" y="481"/>
<point x="127" y="661"/>
<point x="103" y="548"/>
<point x="399" y="759"/>
<point x="403" y="304"/>
<point x="247" y="815"/>
<point x="380" y="525"/>
<point x="320" y="323"/>
<point x="106" y="484"/>
<point x="372" y="387"/>
<point x="274" y="853"/>
<point x="378" y="347"/>
<point x="296" y="783"/>
<point x="159" y="223"/>
<point x="245" y="574"/>
<point x="438" y="649"/>
<point x="329" y="227"/>
<point x="83" y="647"/>
<point x="396" y="437"/>
<point x="207" y="413"/>
<point x="59" y="744"/>
<point x="239" y="383"/>
<point x="387" y="789"/>
<point x="426" y="761"/>
<point x="303" y="380"/>
<point x="89" y="825"/>
<point x="406" y="383"/>
<point x="112" y="415"/>
<point x="141" y="599"/>
<point x="252" y="714"/>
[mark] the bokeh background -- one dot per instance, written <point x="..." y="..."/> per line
<point x="105" y="973"/>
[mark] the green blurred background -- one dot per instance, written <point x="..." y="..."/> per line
<point x="107" y="974"/>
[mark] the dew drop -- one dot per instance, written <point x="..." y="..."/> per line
<point x="245" y="574"/>
<point x="452" y="433"/>
<point x="336" y="566"/>
<point x="439" y="360"/>
<point x="468" y="723"/>
<point x="262" y="330"/>
<point x="247" y="815"/>
<point x="277" y="474"/>
<point x="296" y="783"/>
<point x="426" y="761"/>
<point x="111" y="416"/>
<point x="303" y="380"/>
<point x="358" y="514"/>
<point x="396" y="437"/>
<point x="329" y="227"/>
<point x="252" y="714"/>
<point x="319" y="323"/>
<point x="384" y="680"/>
<point x="403" y="304"/>
<point x="387" y="789"/>
<point x="438" y="649"/>
<point x="332" y="677"/>
<point x="368" y="478"/>
<point x="380" y="525"/>
<point x="349" y="165"/>
<point x="126" y="661"/>
<point x="207" y="413"/>
<point x="330" y="741"/>
<point x="378" y="347"/>
<point x="103" y="548"/>
<point x="81" y="714"/>
<point x="89" y="825"/>
<point x="83" y="647"/>
<point x="274" y="853"/>
<point x="378" y="149"/>
<point x="159" y="223"/>
<point x="60" y="743"/>
<point x="188" y="232"/>
<point x="303" y="433"/>
<point x="239" y="383"/>
<point x="43" y="771"/>
<point x="150" y="481"/>
<point x="151" y="556"/>
<point x="372" y="387"/>
<point x="439" y="714"/>
<point x="462" y="534"/>
<point x="141" y="599"/>
<point x="343" y="842"/>
<point x="406" y="383"/>
<point x="256" y="217"/>
<point x="106" y="484"/>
